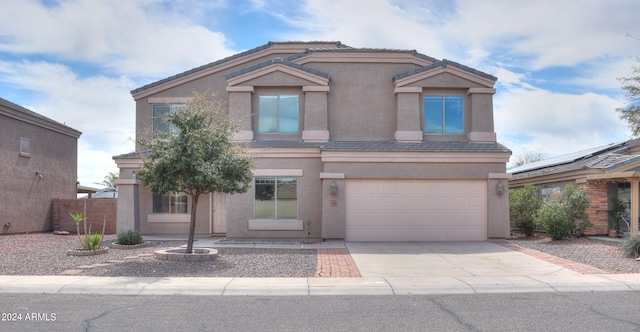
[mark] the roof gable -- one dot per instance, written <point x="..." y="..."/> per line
<point x="444" y="66"/>
<point x="20" y="113"/>
<point x="278" y="65"/>
<point x="292" y="47"/>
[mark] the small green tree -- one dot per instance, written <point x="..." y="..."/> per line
<point x="563" y="213"/>
<point x="631" y="112"/>
<point x="198" y="157"/>
<point x="523" y="205"/>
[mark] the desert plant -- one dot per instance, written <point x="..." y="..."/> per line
<point x="89" y="241"/>
<point x="523" y="205"/>
<point x="92" y="241"/>
<point x="631" y="245"/>
<point x="129" y="237"/>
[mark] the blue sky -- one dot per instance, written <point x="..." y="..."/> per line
<point x="76" y="61"/>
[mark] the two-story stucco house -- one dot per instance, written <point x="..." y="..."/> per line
<point x="354" y="143"/>
<point x="39" y="163"/>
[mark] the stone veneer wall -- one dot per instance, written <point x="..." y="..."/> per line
<point x="598" y="205"/>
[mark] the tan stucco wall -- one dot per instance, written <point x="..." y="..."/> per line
<point x="240" y="207"/>
<point x="27" y="196"/>
<point x="415" y="170"/>
<point x="359" y="102"/>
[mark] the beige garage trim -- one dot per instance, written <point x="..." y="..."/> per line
<point x="416" y="210"/>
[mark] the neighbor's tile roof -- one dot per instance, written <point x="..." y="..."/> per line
<point x="16" y="111"/>
<point x="606" y="160"/>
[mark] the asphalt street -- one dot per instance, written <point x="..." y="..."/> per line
<point x="576" y="311"/>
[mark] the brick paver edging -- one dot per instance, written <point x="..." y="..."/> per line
<point x="566" y="263"/>
<point x="336" y="263"/>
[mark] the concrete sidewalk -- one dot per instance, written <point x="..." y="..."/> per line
<point x="386" y="268"/>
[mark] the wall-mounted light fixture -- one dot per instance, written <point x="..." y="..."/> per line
<point x="499" y="188"/>
<point x="334" y="188"/>
<point x="39" y="175"/>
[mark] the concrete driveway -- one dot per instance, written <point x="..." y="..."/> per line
<point x="447" y="259"/>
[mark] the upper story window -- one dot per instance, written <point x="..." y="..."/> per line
<point x="159" y="113"/>
<point x="25" y="147"/>
<point x="278" y="114"/>
<point x="276" y="198"/>
<point x="443" y="115"/>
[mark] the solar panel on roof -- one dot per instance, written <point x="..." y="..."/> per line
<point x="563" y="159"/>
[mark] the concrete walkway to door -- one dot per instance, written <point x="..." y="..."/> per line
<point x="468" y="267"/>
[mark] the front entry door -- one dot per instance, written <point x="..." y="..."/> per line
<point x="218" y="213"/>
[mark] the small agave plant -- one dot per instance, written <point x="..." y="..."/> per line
<point x="90" y="241"/>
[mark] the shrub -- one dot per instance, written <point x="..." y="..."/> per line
<point x="564" y="214"/>
<point x="554" y="219"/>
<point x="631" y="245"/>
<point x="129" y="237"/>
<point x="523" y="205"/>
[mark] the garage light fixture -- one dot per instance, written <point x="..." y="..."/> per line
<point x="334" y="188"/>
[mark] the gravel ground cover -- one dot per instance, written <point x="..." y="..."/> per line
<point x="606" y="256"/>
<point x="46" y="254"/>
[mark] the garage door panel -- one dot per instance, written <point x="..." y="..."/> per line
<point x="408" y="210"/>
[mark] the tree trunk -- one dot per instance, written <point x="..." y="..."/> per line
<point x="192" y="224"/>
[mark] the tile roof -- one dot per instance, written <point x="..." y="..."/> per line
<point x="387" y="146"/>
<point x="221" y="61"/>
<point x="285" y="62"/>
<point x="607" y="160"/>
<point x="444" y="63"/>
<point x="339" y="47"/>
<point x="372" y="146"/>
<point x="10" y="109"/>
<point x="424" y="146"/>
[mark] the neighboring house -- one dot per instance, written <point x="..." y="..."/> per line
<point x="39" y="163"/>
<point x="603" y="173"/>
<point x="354" y="143"/>
<point x="106" y="193"/>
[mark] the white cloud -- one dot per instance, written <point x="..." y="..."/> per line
<point x="364" y="23"/>
<point x="551" y="123"/>
<point x="547" y="33"/>
<point x="141" y="37"/>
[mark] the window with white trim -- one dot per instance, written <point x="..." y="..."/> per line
<point x="171" y="202"/>
<point x="278" y="114"/>
<point x="276" y="197"/>
<point x="443" y="115"/>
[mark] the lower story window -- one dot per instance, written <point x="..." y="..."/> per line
<point x="276" y="198"/>
<point x="170" y="203"/>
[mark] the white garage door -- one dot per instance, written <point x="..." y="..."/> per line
<point x="416" y="210"/>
